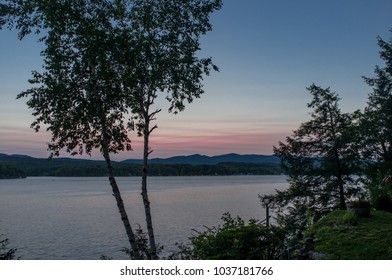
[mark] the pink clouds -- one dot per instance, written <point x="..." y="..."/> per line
<point x="172" y="138"/>
<point x="209" y="144"/>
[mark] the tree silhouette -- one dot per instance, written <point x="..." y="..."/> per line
<point x="378" y="112"/>
<point x="4" y="12"/>
<point x="105" y="60"/>
<point x="377" y="130"/>
<point x="79" y="95"/>
<point x="5" y="252"/>
<point x="164" y="36"/>
<point x="320" y="159"/>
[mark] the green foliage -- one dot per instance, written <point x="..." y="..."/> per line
<point x="143" y="245"/>
<point x="336" y="218"/>
<point x="234" y="240"/>
<point x="5" y="253"/>
<point x="343" y="235"/>
<point x="320" y="159"/>
<point x="380" y="191"/>
<point x="163" y="38"/>
<point x="323" y="155"/>
<point x="4" y="12"/>
<point x="79" y="95"/>
<point x="107" y="59"/>
<point x="376" y="128"/>
<point x="377" y="117"/>
<point x="104" y="59"/>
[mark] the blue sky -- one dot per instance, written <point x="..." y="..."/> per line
<point x="268" y="52"/>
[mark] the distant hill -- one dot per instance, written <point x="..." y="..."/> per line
<point x="194" y="165"/>
<point x="207" y="160"/>
<point x="54" y="167"/>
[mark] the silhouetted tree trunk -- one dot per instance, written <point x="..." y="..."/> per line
<point x="146" y="152"/>
<point x="334" y="118"/>
<point x="121" y="207"/>
<point x="165" y="40"/>
<point x="112" y="180"/>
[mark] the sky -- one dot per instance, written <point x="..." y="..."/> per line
<point x="268" y="53"/>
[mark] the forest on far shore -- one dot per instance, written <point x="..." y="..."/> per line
<point x="20" y="167"/>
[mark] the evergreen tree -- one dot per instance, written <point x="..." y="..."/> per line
<point x="320" y="159"/>
<point x="377" y="129"/>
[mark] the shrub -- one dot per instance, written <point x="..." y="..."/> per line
<point x="143" y="245"/>
<point x="380" y="190"/>
<point x="5" y="253"/>
<point x="234" y="240"/>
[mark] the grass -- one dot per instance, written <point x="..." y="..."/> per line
<point x="343" y="235"/>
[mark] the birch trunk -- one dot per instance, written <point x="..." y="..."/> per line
<point x="121" y="208"/>
<point x="146" y="201"/>
<point x="112" y="180"/>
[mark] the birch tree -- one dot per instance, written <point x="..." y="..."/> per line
<point x="79" y="95"/>
<point x="165" y="36"/>
<point x="107" y="59"/>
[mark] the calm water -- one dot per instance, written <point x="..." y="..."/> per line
<point x="77" y="218"/>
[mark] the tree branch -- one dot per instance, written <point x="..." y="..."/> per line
<point x="151" y="130"/>
<point x="151" y="116"/>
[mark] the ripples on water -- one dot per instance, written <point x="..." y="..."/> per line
<point x="77" y="218"/>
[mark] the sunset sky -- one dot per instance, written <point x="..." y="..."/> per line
<point x="268" y="52"/>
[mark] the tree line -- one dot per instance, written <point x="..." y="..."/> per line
<point x="124" y="169"/>
<point x="8" y="171"/>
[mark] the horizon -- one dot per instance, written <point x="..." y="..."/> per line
<point x="267" y="53"/>
<point x="150" y="158"/>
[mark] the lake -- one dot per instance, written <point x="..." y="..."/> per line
<point x="77" y="218"/>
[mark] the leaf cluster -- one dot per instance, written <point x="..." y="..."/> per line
<point x="79" y="96"/>
<point x="5" y="252"/>
<point x="105" y="62"/>
<point x="143" y="245"/>
<point x="164" y="36"/>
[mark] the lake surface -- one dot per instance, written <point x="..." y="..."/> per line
<point x="77" y="218"/>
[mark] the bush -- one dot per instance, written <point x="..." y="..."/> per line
<point x="5" y="253"/>
<point x="234" y="240"/>
<point x="141" y="239"/>
<point x="380" y="190"/>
